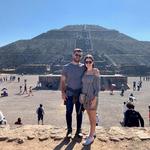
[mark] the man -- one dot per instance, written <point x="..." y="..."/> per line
<point x="40" y="113"/>
<point x="18" y="79"/>
<point x="138" y="86"/>
<point x="30" y="91"/>
<point x="122" y="90"/>
<point x="25" y="87"/>
<point x="132" y="117"/>
<point x="134" y="85"/>
<point x="71" y="88"/>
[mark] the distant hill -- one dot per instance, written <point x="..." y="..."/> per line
<point x="110" y="48"/>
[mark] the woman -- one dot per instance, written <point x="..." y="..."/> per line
<point x="90" y="87"/>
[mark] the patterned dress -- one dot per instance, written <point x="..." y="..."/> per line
<point x="90" y="87"/>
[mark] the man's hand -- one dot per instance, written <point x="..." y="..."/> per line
<point x="63" y="88"/>
<point x="64" y="96"/>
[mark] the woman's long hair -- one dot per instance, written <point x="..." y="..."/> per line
<point x="90" y="57"/>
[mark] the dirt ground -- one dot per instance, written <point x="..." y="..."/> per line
<point x="109" y="109"/>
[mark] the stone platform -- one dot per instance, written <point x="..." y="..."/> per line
<point x="37" y="137"/>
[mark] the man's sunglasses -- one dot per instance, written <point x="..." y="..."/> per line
<point x="78" y="55"/>
<point x="88" y="62"/>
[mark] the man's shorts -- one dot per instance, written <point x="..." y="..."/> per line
<point x="40" y="117"/>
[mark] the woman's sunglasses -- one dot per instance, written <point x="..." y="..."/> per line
<point x="88" y="62"/>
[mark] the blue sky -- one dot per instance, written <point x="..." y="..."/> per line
<point x="24" y="19"/>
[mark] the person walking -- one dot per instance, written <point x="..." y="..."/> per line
<point x="25" y="87"/>
<point x="90" y="87"/>
<point x="138" y="86"/>
<point x="71" y="88"/>
<point x="40" y="113"/>
<point x="18" y="79"/>
<point x="30" y="91"/>
<point x="20" y="87"/>
<point x="122" y="89"/>
<point x="134" y="85"/>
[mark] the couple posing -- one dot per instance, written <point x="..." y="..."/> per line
<point x="80" y="78"/>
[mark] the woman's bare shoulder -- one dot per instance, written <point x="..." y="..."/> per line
<point x="96" y="71"/>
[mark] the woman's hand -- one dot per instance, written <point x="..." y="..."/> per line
<point x="93" y="103"/>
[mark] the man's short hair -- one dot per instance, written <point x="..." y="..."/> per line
<point x="130" y="105"/>
<point x="77" y="50"/>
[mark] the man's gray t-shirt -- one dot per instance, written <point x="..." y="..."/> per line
<point x="73" y="74"/>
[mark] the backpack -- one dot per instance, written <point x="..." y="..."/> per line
<point x="133" y="118"/>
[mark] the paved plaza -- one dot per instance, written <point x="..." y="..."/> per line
<point x="109" y="110"/>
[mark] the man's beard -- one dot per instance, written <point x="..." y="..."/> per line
<point x="76" y="60"/>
